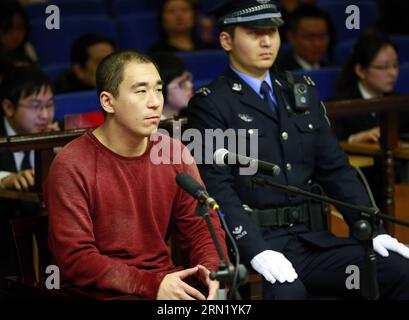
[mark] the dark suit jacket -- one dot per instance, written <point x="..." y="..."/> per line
<point x="7" y="162"/>
<point x="68" y="82"/>
<point x="286" y="61"/>
<point x="8" y="265"/>
<point x="302" y="144"/>
<point x="346" y="126"/>
<point x="10" y="209"/>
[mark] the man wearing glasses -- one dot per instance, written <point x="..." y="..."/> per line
<point x="27" y="106"/>
<point x="309" y="36"/>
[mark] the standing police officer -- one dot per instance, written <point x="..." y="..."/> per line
<point x="271" y="227"/>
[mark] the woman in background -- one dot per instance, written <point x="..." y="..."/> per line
<point x="177" y="84"/>
<point x="371" y="71"/>
<point x="178" y="30"/>
<point x="14" y="29"/>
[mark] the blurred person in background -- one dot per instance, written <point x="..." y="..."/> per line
<point x="371" y="71"/>
<point x="310" y="35"/>
<point x="27" y="106"/>
<point x="177" y="84"/>
<point x="178" y="29"/>
<point x="86" y="53"/>
<point x="14" y="29"/>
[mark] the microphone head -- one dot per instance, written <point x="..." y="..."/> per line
<point x="219" y="156"/>
<point x="189" y="184"/>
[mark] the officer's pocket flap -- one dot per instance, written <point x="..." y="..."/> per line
<point x="249" y="131"/>
<point x="306" y="125"/>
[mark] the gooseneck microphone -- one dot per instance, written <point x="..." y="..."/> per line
<point x="197" y="191"/>
<point x="225" y="157"/>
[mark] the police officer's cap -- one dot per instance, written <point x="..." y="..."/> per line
<point x="251" y="13"/>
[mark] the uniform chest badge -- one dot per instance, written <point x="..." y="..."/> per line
<point x="245" y="117"/>
<point x="237" y="87"/>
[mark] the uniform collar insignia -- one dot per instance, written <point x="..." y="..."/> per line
<point x="237" y="87"/>
<point x="204" y="91"/>
<point x="278" y="82"/>
<point x="245" y="117"/>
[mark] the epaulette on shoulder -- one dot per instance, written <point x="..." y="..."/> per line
<point x="294" y="78"/>
<point x="203" y="91"/>
<point x="309" y="81"/>
<point x="212" y="87"/>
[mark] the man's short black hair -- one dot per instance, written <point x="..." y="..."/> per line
<point x="110" y="71"/>
<point x="229" y="29"/>
<point x="21" y="82"/>
<point x="8" y="9"/>
<point x="79" y="50"/>
<point x="306" y="11"/>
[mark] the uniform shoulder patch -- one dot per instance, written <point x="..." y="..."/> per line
<point x="309" y="81"/>
<point x="204" y="91"/>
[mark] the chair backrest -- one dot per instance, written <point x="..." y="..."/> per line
<point x="33" y="255"/>
<point x="343" y="51"/>
<point x="402" y="86"/>
<point x="125" y="7"/>
<point x="402" y="42"/>
<point x="30" y="238"/>
<point x="67" y="8"/>
<point x="368" y="15"/>
<point x="76" y="102"/>
<point x="138" y="31"/>
<point x="205" y="65"/>
<point x="55" y="71"/>
<point x="83" y="120"/>
<point x="206" y="5"/>
<point x="54" y="46"/>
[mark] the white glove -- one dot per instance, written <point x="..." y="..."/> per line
<point x="384" y="242"/>
<point x="274" y="266"/>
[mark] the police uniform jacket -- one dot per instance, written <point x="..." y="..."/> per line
<point x="301" y="143"/>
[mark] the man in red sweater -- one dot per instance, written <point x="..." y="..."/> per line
<point x="111" y="207"/>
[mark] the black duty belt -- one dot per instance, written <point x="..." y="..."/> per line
<point x="280" y="217"/>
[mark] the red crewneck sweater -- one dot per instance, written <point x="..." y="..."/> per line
<point x="109" y="216"/>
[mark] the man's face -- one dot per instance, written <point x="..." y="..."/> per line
<point x="251" y="50"/>
<point x="139" y="103"/>
<point x="96" y="53"/>
<point x="14" y="37"/>
<point x="310" y="41"/>
<point x="32" y="114"/>
<point x="178" y="17"/>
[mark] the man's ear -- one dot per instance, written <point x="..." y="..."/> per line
<point x="359" y="71"/>
<point x="107" y="102"/>
<point x="8" y="108"/>
<point x="77" y="70"/>
<point x="225" y="41"/>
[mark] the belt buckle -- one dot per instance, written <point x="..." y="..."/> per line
<point x="293" y="216"/>
<point x="288" y="217"/>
